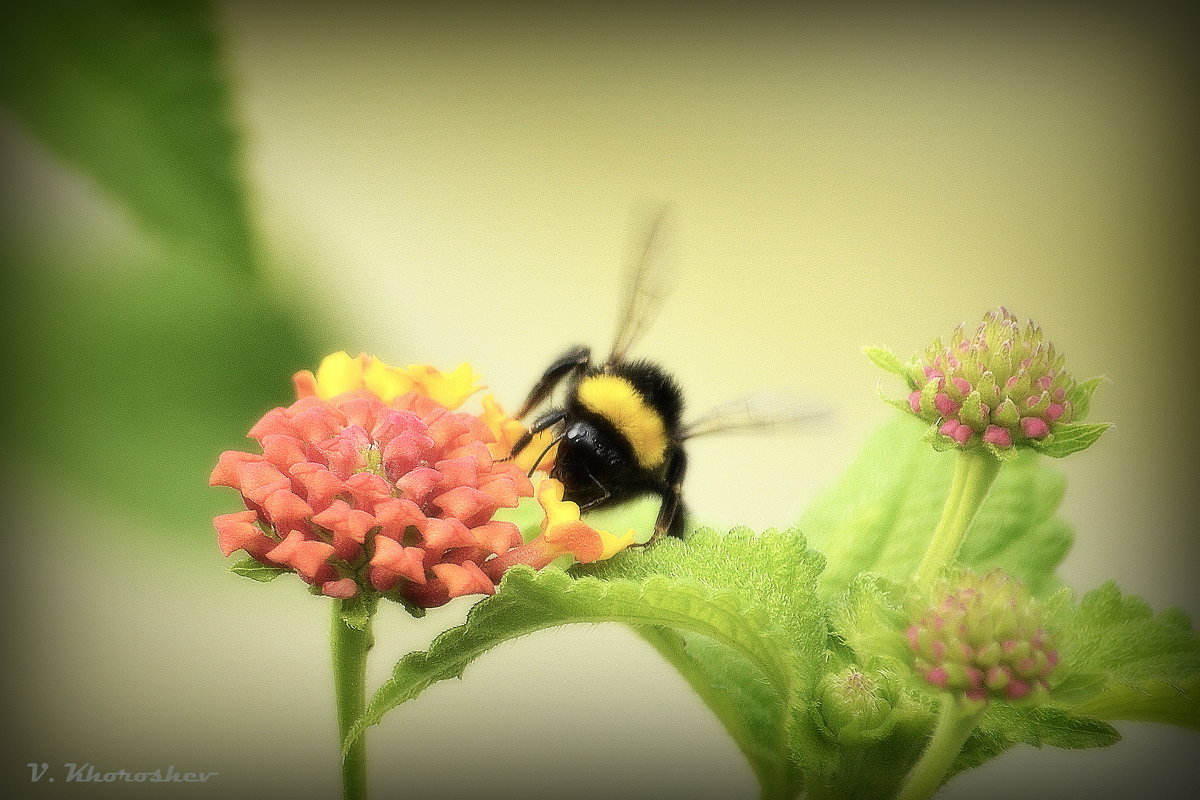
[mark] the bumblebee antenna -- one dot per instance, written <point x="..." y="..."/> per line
<point x="553" y="442"/>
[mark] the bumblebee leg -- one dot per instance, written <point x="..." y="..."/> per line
<point x="671" y="515"/>
<point x="599" y="500"/>
<point x="575" y="359"/>
<point x="547" y="420"/>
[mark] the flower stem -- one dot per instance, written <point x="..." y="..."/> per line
<point x="350" y="647"/>
<point x="955" y="722"/>
<point x="974" y="473"/>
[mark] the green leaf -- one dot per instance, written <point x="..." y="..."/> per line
<point x="130" y="390"/>
<point x="749" y="708"/>
<point x="528" y="601"/>
<point x="886" y="360"/>
<point x="773" y="572"/>
<point x="899" y="403"/>
<point x="256" y="570"/>
<point x="870" y="617"/>
<point x="134" y="95"/>
<point x="881" y="513"/>
<point x="1081" y="395"/>
<point x="1072" y="437"/>
<point x="1175" y="703"/>
<point x="1005" y="725"/>
<point x="736" y="614"/>
<point x="972" y="411"/>
<point x="1150" y="665"/>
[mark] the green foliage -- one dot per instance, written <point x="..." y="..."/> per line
<point x="1006" y="725"/>
<point x="134" y="95"/>
<point x="809" y="669"/>
<point x="1135" y="664"/>
<point x="129" y="391"/>
<point x="1081" y="395"/>
<point x="1175" y="702"/>
<point x="756" y="628"/>
<point x="753" y="712"/>
<point x="773" y="572"/>
<point x="256" y="570"/>
<point x="1071" y="438"/>
<point x="355" y="612"/>
<point x="886" y="360"/>
<point x="880" y="515"/>
<point x="871" y="618"/>
<point x="136" y="374"/>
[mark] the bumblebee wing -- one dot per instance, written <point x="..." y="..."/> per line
<point x="758" y="413"/>
<point x="647" y="284"/>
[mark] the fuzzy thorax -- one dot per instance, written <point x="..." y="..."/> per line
<point x="615" y="399"/>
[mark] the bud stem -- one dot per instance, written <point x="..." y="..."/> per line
<point x="350" y="647"/>
<point x="957" y="718"/>
<point x="974" y="473"/>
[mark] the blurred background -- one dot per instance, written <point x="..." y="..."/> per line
<point x="203" y="198"/>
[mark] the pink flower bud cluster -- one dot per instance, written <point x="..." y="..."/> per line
<point x="984" y="638"/>
<point x="1001" y="386"/>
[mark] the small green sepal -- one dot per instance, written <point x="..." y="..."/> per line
<point x="886" y="360"/>
<point x="1071" y="437"/>
<point x="1081" y="394"/>
<point x="256" y="570"/>
<point x="938" y="441"/>
<point x="356" y="612"/>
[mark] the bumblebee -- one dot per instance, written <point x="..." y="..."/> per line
<point x="619" y="431"/>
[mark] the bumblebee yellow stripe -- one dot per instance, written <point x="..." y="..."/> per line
<point x="615" y="399"/>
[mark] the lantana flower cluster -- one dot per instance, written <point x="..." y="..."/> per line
<point x="1001" y="386"/>
<point x="983" y="637"/>
<point x="372" y="482"/>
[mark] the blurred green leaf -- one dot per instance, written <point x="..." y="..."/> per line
<point x="1173" y="703"/>
<point x="133" y="94"/>
<point x="1081" y="395"/>
<point x="127" y="390"/>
